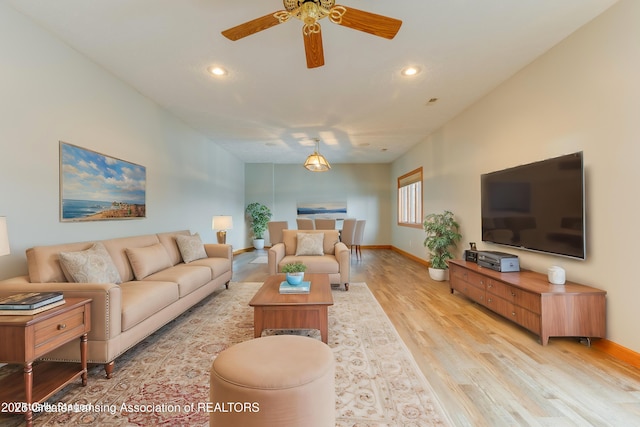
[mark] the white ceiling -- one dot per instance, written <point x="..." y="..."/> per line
<point x="270" y="106"/>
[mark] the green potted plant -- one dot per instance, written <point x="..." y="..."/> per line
<point x="259" y="216"/>
<point x="442" y="235"/>
<point x="295" y="272"/>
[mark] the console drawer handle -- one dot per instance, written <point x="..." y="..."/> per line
<point x="61" y="326"/>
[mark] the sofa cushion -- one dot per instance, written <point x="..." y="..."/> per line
<point x="191" y="247"/>
<point x="218" y="266"/>
<point x="141" y="300"/>
<point x="43" y="262"/>
<point x="148" y="260"/>
<point x="188" y="277"/>
<point x="117" y="249"/>
<point x="315" y="264"/>
<point x="170" y="244"/>
<point x="310" y="244"/>
<point x="290" y="240"/>
<point x="93" y="265"/>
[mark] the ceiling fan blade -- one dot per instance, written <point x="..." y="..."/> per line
<point x="313" y="46"/>
<point x="251" y="27"/>
<point x="378" y="25"/>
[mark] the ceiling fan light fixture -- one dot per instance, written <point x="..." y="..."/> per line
<point x="316" y="161"/>
<point x="310" y="12"/>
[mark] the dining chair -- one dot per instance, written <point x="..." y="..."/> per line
<point x="348" y="232"/>
<point x="325" y="224"/>
<point x="275" y="230"/>
<point x="358" y="235"/>
<point x="305" y="224"/>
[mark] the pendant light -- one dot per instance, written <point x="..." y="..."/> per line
<point x="316" y="161"/>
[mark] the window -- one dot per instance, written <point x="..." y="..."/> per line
<point x="410" y="199"/>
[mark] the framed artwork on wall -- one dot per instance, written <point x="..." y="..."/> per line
<point x="95" y="187"/>
<point x="337" y="210"/>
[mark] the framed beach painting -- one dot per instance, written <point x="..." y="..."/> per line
<point x="96" y="187"/>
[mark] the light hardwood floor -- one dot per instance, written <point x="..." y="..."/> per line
<point x="485" y="370"/>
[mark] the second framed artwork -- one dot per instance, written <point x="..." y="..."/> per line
<point x="95" y="186"/>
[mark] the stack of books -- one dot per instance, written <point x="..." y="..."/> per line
<point x="302" y="288"/>
<point x="29" y="303"/>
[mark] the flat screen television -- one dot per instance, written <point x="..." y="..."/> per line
<point x="538" y="206"/>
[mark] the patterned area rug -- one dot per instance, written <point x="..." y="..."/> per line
<point x="165" y="379"/>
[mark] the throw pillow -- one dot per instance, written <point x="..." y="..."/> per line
<point x="191" y="247"/>
<point x="148" y="260"/>
<point x="91" y="266"/>
<point x="310" y="244"/>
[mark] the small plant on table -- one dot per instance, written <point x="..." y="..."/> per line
<point x="295" y="272"/>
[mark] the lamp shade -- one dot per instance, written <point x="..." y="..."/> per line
<point x="4" y="237"/>
<point x="316" y="161"/>
<point x="222" y="222"/>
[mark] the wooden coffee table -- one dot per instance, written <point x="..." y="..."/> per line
<point x="273" y="310"/>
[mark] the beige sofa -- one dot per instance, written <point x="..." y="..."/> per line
<point x="331" y="257"/>
<point x="156" y="286"/>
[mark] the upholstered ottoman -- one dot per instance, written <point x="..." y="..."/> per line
<point x="280" y="380"/>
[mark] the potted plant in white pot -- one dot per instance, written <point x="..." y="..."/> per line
<point x="259" y="216"/>
<point x="295" y="272"/>
<point x="442" y="235"/>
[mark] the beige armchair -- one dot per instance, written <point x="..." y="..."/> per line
<point x="331" y="256"/>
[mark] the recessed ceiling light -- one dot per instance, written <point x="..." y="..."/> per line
<point x="217" y="71"/>
<point x="410" y="71"/>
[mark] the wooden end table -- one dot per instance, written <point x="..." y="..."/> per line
<point x="27" y="338"/>
<point x="273" y="310"/>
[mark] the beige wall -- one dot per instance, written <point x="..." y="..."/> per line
<point x="363" y="187"/>
<point x="584" y="94"/>
<point x="49" y="92"/>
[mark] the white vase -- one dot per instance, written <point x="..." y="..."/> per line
<point x="258" y="243"/>
<point x="556" y="275"/>
<point x="438" y="274"/>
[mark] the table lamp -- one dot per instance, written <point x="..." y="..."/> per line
<point x="222" y="223"/>
<point x="4" y="237"/>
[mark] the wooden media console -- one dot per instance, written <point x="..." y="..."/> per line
<point x="528" y="299"/>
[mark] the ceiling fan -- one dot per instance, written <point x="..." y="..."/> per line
<point x="310" y="12"/>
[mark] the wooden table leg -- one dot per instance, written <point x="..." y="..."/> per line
<point x="324" y="324"/>
<point x="258" y="322"/>
<point x="28" y="389"/>
<point x="83" y="358"/>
